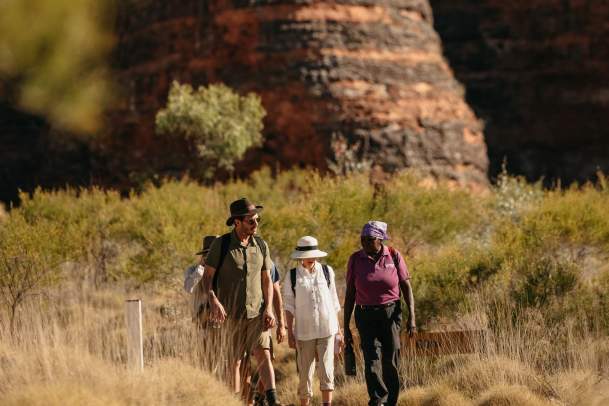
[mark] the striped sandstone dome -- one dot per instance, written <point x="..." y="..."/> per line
<point x="371" y="71"/>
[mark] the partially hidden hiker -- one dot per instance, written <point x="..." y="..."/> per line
<point x="238" y="281"/>
<point x="376" y="275"/>
<point x="252" y="391"/>
<point x="193" y="283"/>
<point x="312" y="306"/>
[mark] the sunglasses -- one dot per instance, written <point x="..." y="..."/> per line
<point x="253" y="221"/>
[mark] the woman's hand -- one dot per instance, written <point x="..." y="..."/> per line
<point x="340" y="342"/>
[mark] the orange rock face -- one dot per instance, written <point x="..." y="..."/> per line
<point x="371" y="72"/>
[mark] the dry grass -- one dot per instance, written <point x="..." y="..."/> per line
<point x="73" y="354"/>
<point x="436" y="395"/>
<point x="69" y="349"/>
<point x="351" y="393"/>
<point x="61" y="375"/>
<point x="510" y="395"/>
<point x="477" y="376"/>
<point x="581" y="387"/>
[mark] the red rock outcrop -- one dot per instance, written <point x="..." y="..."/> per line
<point x="537" y="73"/>
<point x="371" y="71"/>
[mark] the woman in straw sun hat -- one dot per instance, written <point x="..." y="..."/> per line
<point x="312" y="307"/>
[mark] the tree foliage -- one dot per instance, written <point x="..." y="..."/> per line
<point x="52" y="57"/>
<point x="220" y="124"/>
<point x="30" y="258"/>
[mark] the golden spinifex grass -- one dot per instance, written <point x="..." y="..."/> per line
<point x="69" y="348"/>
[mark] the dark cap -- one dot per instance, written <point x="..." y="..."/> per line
<point x="207" y="241"/>
<point x="241" y="207"/>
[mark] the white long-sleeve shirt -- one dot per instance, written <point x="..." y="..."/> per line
<point x="315" y="306"/>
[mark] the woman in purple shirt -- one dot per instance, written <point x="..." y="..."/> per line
<point x="375" y="277"/>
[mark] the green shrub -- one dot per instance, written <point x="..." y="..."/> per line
<point x="219" y="124"/>
<point x="514" y="195"/>
<point x="30" y="260"/>
<point x="443" y="279"/>
<point x="164" y="225"/>
<point x="90" y="220"/>
<point x="418" y="214"/>
<point x="577" y="216"/>
<point x="456" y="244"/>
<point x="542" y="279"/>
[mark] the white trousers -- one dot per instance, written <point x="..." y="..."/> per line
<point x="322" y="350"/>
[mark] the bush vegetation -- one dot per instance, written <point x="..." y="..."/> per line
<point x="544" y="248"/>
<point x="218" y="124"/>
<point x="526" y="263"/>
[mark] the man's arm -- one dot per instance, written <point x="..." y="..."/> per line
<point x="278" y="308"/>
<point x="406" y="289"/>
<point x="267" y="294"/>
<point x="217" y="312"/>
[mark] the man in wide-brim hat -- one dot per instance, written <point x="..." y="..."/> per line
<point x="242" y="208"/>
<point x="238" y="282"/>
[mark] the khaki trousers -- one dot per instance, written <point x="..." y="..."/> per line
<point x="322" y="350"/>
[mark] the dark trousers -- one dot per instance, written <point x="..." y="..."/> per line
<point x="379" y="330"/>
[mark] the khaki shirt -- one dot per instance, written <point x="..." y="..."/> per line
<point x="239" y="281"/>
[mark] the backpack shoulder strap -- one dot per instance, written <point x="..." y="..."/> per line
<point x="261" y="244"/>
<point x="293" y="280"/>
<point x="326" y="273"/>
<point x="394" y="256"/>
<point x="224" y="243"/>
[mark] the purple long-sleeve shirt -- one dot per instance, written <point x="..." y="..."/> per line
<point x="377" y="282"/>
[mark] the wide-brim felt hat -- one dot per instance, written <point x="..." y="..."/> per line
<point x="206" y="244"/>
<point x="306" y="248"/>
<point x="242" y="207"/>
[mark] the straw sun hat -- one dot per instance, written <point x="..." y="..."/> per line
<point x="306" y="247"/>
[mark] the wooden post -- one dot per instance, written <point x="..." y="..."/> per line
<point x="135" y="342"/>
<point x="445" y="342"/>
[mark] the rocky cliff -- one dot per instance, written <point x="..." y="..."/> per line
<point x="369" y="73"/>
<point x="373" y="73"/>
<point x="537" y="73"/>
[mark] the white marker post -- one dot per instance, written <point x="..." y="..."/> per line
<point x="135" y="342"/>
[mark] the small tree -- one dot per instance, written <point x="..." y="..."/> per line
<point x="217" y="122"/>
<point x="30" y="258"/>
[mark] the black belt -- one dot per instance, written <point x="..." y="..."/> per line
<point x="376" y="307"/>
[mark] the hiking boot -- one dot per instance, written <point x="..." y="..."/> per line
<point x="259" y="400"/>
